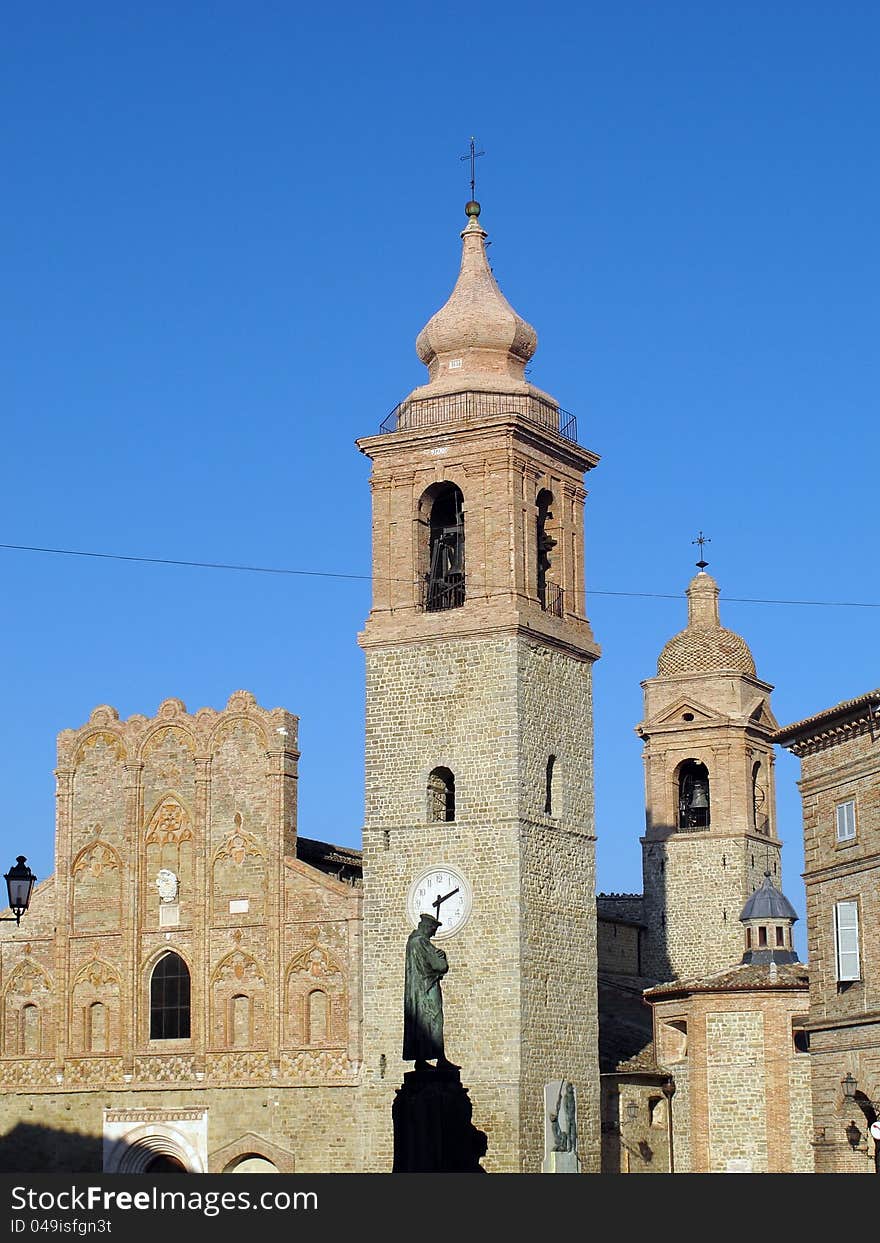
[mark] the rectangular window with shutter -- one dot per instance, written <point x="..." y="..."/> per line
<point x="846" y="930"/>
<point x="846" y="821"/>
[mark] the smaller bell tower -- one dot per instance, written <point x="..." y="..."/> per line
<point x="710" y="796"/>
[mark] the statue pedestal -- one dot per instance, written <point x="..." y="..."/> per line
<point x="560" y="1163"/>
<point x="433" y="1133"/>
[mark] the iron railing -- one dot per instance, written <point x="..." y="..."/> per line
<point x="464" y="407"/>
<point x="439" y="594"/>
<point x="552" y="598"/>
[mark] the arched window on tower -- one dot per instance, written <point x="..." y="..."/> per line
<point x="170" y="999"/>
<point x="760" y="819"/>
<point x="549" y="593"/>
<point x="442" y="508"/>
<point x="693" y="795"/>
<point x="441" y="795"/>
<point x="548" y="785"/>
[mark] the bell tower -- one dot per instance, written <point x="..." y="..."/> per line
<point x="710" y="795"/>
<point x="479" y="753"/>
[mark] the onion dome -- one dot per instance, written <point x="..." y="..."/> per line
<point x="476" y="340"/>
<point x="768" y="917"/>
<point x="705" y="646"/>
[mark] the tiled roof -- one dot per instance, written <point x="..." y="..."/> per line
<point x="743" y="978"/>
<point x="813" y="724"/>
<point x="341" y="861"/>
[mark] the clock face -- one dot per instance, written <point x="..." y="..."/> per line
<point x="440" y="882"/>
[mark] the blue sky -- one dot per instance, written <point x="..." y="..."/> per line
<point x="223" y="226"/>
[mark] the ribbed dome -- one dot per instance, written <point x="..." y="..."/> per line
<point x="476" y="335"/>
<point x="705" y="646"/>
<point x="768" y="902"/>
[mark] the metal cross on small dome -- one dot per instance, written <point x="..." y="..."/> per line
<point x="472" y="155"/>
<point x="701" y="540"/>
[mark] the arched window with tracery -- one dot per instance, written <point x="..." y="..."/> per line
<point x="170" y="999"/>
<point x="442" y="514"/>
<point x="441" y="795"/>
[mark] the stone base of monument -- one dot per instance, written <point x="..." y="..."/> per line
<point x="433" y="1132"/>
<point x="561" y="1163"/>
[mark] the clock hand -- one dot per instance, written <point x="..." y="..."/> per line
<point x="438" y="900"/>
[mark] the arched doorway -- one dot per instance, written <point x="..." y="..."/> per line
<point x="165" y="1164"/>
<point x="251" y="1163"/>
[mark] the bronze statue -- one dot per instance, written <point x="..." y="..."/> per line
<point x="564" y="1140"/>
<point x="423" y="1000"/>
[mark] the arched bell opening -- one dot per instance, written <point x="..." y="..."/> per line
<point x="441" y="513"/>
<point x="549" y="592"/>
<point x="693" y="795"/>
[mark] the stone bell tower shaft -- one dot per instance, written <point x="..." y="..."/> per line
<point x="710" y="793"/>
<point x="479" y="724"/>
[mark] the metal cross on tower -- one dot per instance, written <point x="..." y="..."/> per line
<point x="701" y="540"/>
<point x="472" y="155"/>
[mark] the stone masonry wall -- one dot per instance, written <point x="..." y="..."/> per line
<point x="618" y="947"/>
<point x="60" y="1132"/>
<point x="736" y="1090"/>
<point x="461" y="703"/>
<point x="695" y="887"/>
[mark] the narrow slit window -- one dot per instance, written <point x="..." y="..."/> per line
<point x="548" y="785"/>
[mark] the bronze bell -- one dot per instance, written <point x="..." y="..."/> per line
<point x="699" y="793"/>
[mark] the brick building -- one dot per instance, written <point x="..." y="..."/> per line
<point x="208" y="1021"/>
<point x="839" y="750"/>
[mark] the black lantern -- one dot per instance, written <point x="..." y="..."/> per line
<point x="632" y="1111"/>
<point x="854" y="1135"/>
<point x="20" y="882"/>
<point x="849" y="1085"/>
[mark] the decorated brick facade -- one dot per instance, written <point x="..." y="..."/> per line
<point x="271" y="944"/>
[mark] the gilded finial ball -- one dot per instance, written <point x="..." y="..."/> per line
<point x="472" y="209"/>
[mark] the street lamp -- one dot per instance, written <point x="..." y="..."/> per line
<point x="849" y="1086"/>
<point x="632" y="1111"/>
<point x="20" y="882"/>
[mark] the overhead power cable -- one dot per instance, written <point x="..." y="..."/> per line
<point x="268" y="569"/>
